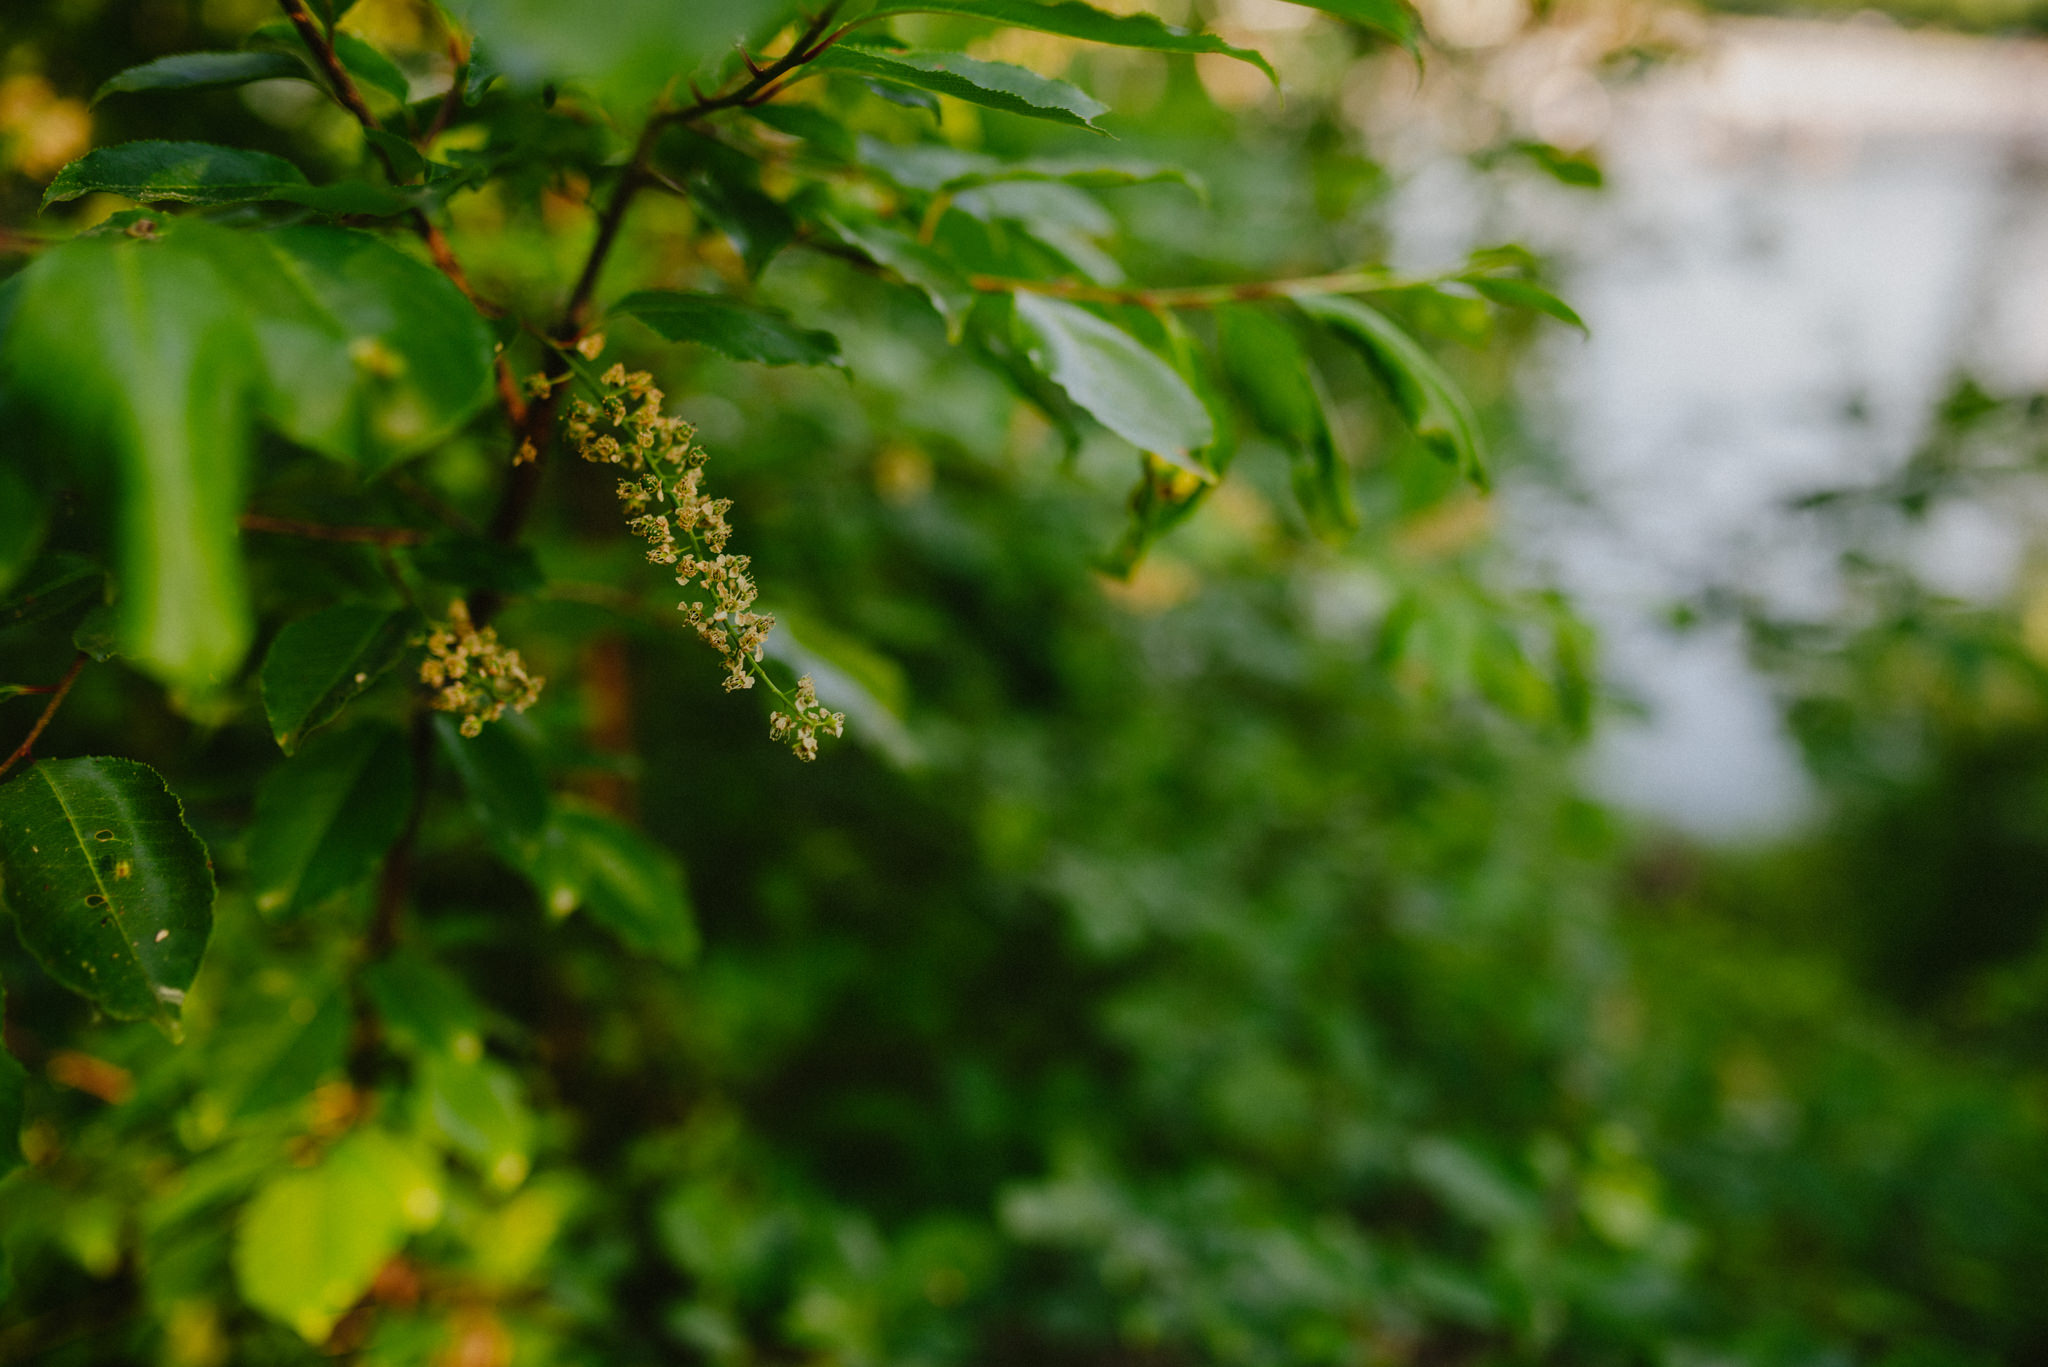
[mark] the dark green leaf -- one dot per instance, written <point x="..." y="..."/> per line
<point x="141" y="347"/>
<point x="1389" y="18"/>
<point x="424" y="1007"/>
<point x="1523" y="294"/>
<point x="13" y="1089"/>
<point x="201" y="173"/>
<point x="94" y="633"/>
<point x="55" y="585"/>
<point x="1123" y="386"/>
<point x="109" y="888"/>
<point x="917" y="265"/>
<point x="993" y="85"/>
<point x="318" y="664"/>
<point x="504" y="782"/>
<point x="479" y="563"/>
<point x="402" y="157"/>
<point x="308" y="1049"/>
<point x="24" y="519"/>
<point x="621" y="879"/>
<point x="823" y="132"/>
<point x="311" y="1242"/>
<point x="1428" y="397"/>
<point x="745" y="332"/>
<point x="325" y="818"/>
<point x="201" y="71"/>
<point x="364" y="63"/>
<point x="1074" y="20"/>
<point x="1272" y="373"/>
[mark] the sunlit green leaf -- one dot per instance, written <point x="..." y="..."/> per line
<point x="139" y="347"/>
<point x="993" y="85"/>
<point x="309" y="1244"/>
<point x="321" y="662"/>
<point x="1392" y="19"/>
<point x="1109" y="373"/>
<point x="325" y="818"/>
<point x="743" y="331"/>
<point x="110" y="889"/>
<point x="477" y="1105"/>
<point x="1524" y="294"/>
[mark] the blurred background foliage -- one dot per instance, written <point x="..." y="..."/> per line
<point x="1216" y="965"/>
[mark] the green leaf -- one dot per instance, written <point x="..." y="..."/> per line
<point x="307" y="1050"/>
<point x="13" y="1096"/>
<point x="926" y="166"/>
<point x="993" y="85"/>
<point x="917" y="265"/>
<point x="95" y="633"/>
<point x="1428" y="397"/>
<point x="1272" y="374"/>
<point x="55" y="585"/>
<point x="201" y="71"/>
<point x="1106" y="371"/>
<point x="624" y="881"/>
<point x="504" y="782"/>
<point x="477" y="1105"/>
<point x="320" y="663"/>
<point x="364" y="63"/>
<point x="325" y="818"/>
<point x="1071" y="19"/>
<point x="312" y="1240"/>
<point x="639" y="47"/>
<point x="424" y="1007"/>
<point x="24" y="520"/>
<point x="110" y="890"/>
<point x="1522" y="294"/>
<point x="370" y="354"/>
<point x="479" y="563"/>
<point x="745" y="332"/>
<point x="1391" y="19"/>
<point x="202" y="173"/>
<point x="140" y="346"/>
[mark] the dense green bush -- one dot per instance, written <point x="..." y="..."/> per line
<point x="1194" y="948"/>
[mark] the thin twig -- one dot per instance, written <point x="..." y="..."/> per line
<point x="522" y="488"/>
<point x="56" y="701"/>
<point x="321" y="531"/>
<point x="351" y="99"/>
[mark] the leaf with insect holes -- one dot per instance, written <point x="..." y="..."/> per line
<point x="992" y="85"/>
<point x="110" y="889"/>
<point x="321" y="662"/>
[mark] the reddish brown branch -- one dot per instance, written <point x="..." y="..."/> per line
<point x="321" y="531"/>
<point x="63" y="686"/>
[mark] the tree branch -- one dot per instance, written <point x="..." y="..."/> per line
<point x="321" y="531"/>
<point x="56" y="701"/>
